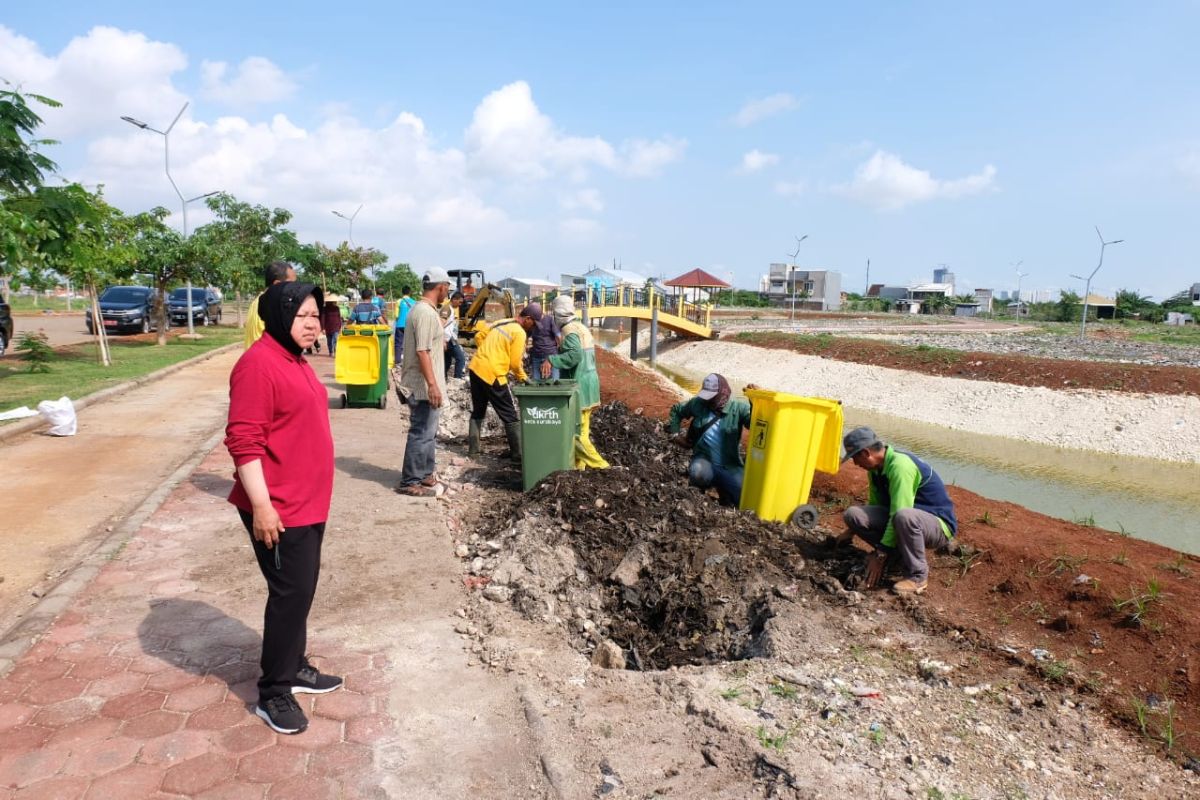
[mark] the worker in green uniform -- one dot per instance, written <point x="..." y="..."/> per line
<point x="576" y="361"/>
<point x="715" y="436"/>
<point x="908" y="511"/>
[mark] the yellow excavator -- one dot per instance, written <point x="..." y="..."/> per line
<point x="478" y="296"/>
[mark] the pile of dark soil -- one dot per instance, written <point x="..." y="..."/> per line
<point x="681" y="580"/>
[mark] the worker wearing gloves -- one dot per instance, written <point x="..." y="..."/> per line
<point x="715" y="436"/>
<point x="576" y="361"/>
<point x="907" y="511"/>
<point x="500" y="351"/>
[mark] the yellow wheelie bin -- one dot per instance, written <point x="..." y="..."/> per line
<point x="362" y="363"/>
<point x="790" y="438"/>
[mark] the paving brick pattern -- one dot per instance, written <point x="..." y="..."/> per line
<point x="144" y="687"/>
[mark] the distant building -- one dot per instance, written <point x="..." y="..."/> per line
<point x="610" y="276"/>
<point x="527" y="288"/>
<point x="821" y="288"/>
<point x="984" y="298"/>
<point x="1196" y="294"/>
<point x="944" y="275"/>
<point x="1103" y="307"/>
<point x="1179" y="318"/>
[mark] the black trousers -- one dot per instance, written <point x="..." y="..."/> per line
<point x="498" y="394"/>
<point x="291" y="570"/>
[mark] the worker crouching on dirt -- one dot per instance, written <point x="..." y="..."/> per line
<point x="907" y="511"/>
<point x="576" y="361"/>
<point x="715" y="436"/>
<point x="501" y="349"/>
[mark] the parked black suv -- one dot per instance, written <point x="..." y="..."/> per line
<point x="6" y="326"/>
<point x="125" y="309"/>
<point x="206" y="307"/>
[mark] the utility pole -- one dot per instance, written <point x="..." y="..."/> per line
<point x="792" y="270"/>
<point x="1087" y="288"/>
<point x="1020" y="275"/>
<point x="868" y="287"/>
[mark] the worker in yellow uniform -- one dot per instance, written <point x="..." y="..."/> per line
<point x="576" y="361"/>
<point x="276" y="272"/>
<point x="501" y="349"/>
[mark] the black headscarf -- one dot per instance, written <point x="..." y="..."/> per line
<point x="278" y="306"/>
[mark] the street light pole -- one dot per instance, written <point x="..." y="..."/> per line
<point x="350" y="219"/>
<point x="1087" y="289"/>
<point x="182" y="202"/>
<point x="1020" y="275"/>
<point x="792" y="270"/>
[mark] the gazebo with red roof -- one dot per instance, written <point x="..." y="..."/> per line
<point x="697" y="279"/>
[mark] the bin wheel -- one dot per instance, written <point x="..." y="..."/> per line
<point x="345" y="400"/>
<point x="805" y="516"/>
<point x="383" y="401"/>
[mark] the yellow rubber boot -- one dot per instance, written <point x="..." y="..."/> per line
<point x="586" y="454"/>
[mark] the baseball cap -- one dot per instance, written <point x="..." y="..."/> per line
<point x="435" y="275"/>
<point x="858" y="440"/>
<point x="710" y="387"/>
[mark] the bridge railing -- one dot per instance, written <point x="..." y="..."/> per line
<point x="638" y="297"/>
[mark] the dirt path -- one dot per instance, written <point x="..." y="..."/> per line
<point x="60" y="328"/>
<point x="60" y="492"/>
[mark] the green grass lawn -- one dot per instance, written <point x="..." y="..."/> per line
<point x="75" y="371"/>
<point x="23" y="304"/>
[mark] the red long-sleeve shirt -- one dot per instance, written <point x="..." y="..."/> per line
<point x="279" y="413"/>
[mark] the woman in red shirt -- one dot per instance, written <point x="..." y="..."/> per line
<point x="278" y="435"/>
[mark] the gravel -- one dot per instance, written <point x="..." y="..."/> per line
<point x="1049" y="346"/>
<point x="1107" y="422"/>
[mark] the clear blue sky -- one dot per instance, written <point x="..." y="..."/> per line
<point x="545" y="137"/>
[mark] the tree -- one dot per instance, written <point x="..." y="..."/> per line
<point x="1070" y="306"/>
<point x="159" y="253"/>
<point x="395" y="279"/>
<point x="935" y="303"/>
<point x="242" y="240"/>
<point x="90" y="243"/>
<point x="1130" y="304"/>
<point x="22" y="167"/>
<point x="22" y="172"/>
<point x="340" y="268"/>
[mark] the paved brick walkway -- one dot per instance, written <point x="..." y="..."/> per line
<point x="143" y="688"/>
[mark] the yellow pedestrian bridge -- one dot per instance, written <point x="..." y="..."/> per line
<point x="675" y="313"/>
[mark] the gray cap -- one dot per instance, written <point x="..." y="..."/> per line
<point x="858" y="440"/>
<point x="710" y="387"/>
<point x="434" y="276"/>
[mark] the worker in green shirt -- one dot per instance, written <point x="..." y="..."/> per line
<point x="715" y="436"/>
<point x="908" y="511"/>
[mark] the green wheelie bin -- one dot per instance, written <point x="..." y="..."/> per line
<point x="549" y="422"/>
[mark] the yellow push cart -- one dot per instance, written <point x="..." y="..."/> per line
<point x="790" y="438"/>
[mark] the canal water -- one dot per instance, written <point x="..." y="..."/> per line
<point x="1139" y="497"/>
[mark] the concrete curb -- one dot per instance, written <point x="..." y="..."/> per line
<point x="25" y="632"/>
<point x="33" y="423"/>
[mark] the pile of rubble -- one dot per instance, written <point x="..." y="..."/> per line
<point x="638" y="567"/>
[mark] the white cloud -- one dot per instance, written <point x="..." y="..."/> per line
<point x="98" y="78"/>
<point x="757" y="160"/>
<point x="758" y="110"/>
<point x="585" y="199"/>
<point x="256" y="80"/>
<point x="886" y="182"/>
<point x="791" y="188"/>
<point x="1189" y="166"/>
<point x="580" y="230"/>
<point x="509" y="137"/>
<point x="415" y="188"/>
<point x="643" y="159"/>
